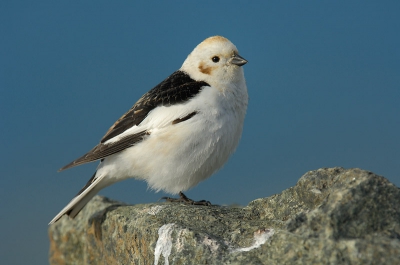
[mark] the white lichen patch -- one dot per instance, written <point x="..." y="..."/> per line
<point x="164" y="243"/>
<point x="155" y="209"/>
<point x="212" y="244"/>
<point x="316" y="191"/>
<point x="260" y="237"/>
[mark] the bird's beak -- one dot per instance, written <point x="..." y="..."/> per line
<point x="238" y="60"/>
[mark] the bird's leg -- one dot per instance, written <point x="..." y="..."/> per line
<point x="186" y="200"/>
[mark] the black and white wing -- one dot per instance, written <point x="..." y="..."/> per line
<point x="176" y="89"/>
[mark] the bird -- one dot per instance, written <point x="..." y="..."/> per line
<point x="178" y="133"/>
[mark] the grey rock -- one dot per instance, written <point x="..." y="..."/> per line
<point x="331" y="216"/>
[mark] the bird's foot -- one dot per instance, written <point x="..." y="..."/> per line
<point x="186" y="200"/>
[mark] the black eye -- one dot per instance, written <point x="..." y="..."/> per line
<point x="215" y="59"/>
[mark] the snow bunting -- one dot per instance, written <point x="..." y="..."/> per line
<point x="177" y="134"/>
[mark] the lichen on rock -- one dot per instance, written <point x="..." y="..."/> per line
<point x="331" y="216"/>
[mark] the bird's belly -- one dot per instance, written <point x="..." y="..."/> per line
<point x="178" y="157"/>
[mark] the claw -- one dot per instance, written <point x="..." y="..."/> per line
<point x="186" y="200"/>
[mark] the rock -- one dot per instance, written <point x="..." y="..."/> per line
<point x="331" y="216"/>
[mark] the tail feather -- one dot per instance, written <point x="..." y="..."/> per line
<point x="81" y="199"/>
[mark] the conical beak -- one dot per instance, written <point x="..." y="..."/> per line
<point x="238" y="60"/>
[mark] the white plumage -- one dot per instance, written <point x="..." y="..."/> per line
<point x="180" y="132"/>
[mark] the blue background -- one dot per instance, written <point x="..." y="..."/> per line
<point x="323" y="80"/>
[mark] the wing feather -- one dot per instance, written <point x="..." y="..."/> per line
<point x="103" y="150"/>
<point x="177" y="88"/>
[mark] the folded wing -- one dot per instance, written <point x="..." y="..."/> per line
<point x="176" y="89"/>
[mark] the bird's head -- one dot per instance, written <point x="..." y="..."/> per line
<point x="216" y="61"/>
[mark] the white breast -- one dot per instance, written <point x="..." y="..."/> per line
<point x="176" y="157"/>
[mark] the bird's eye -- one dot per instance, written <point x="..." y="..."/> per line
<point x="215" y="59"/>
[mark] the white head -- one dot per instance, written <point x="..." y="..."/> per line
<point x="215" y="61"/>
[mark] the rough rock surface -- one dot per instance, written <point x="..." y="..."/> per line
<point x="331" y="216"/>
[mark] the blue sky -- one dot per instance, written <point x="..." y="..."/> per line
<point x="323" y="80"/>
